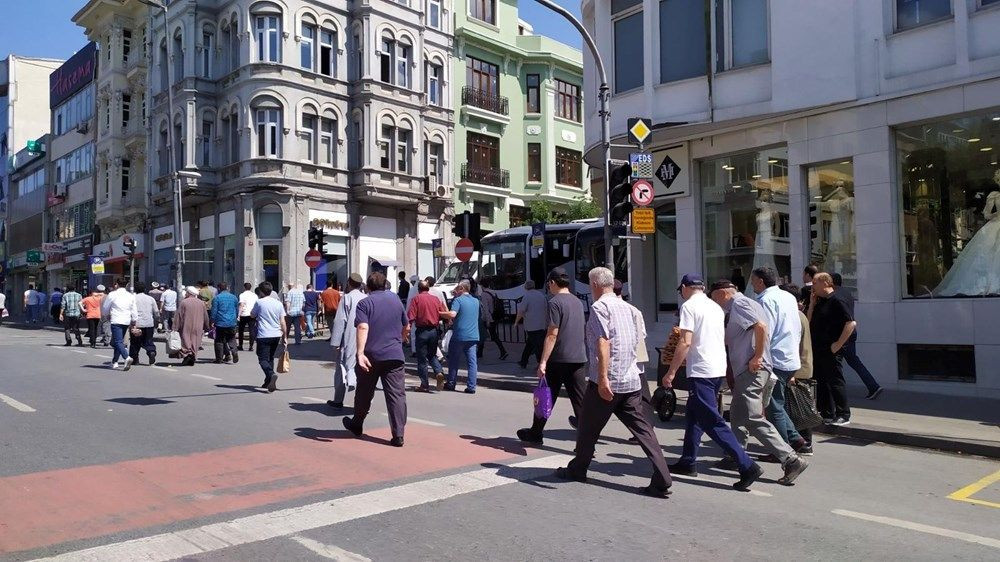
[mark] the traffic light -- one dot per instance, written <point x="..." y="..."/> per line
<point x="317" y="239"/>
<point x="128" y="247"/>
<point x="620" y="192"/>
<point x="467" y="226"/>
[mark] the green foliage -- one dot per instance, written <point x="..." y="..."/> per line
<point x="544" y="211"/>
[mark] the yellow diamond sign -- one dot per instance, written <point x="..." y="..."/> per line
<point x="639" y="129"/>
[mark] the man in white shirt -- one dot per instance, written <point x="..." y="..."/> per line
<point x="248" y="298"/>
<point x="31" y="304"/>
<point x="168" y="307"/>
<point x="119" y="308"/>
<point x="703" y="344"/>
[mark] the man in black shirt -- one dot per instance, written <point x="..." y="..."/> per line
<point x="832" y="325"/>
<point x="564" y="353"/>
<point x="850" y="352"/>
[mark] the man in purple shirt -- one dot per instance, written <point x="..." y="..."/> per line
<point x="382" y="330"/>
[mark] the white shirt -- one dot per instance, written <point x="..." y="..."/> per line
<point x="706" y="321"/>
<point x="248" y="298"/>
<point x="119" y="306"/>
<point x="169" y="300"/>
<point x="31" y="297"/>
<point x="3" y="301"/>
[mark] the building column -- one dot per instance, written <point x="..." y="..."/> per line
<point x="353" y="209"/>
<point x="406" y="237"/>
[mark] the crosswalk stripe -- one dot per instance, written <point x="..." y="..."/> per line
<point x="205" y="377"/>
<point x="329" y="551"/>
<point x="15" y="404"/>
<point x="920" y="527"/>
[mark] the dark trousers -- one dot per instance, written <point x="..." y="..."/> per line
<point x="247" y="323"/>
<point x="490" y="332"/>
<point x="532" y="345"/>
<point x="225" y="342"/>
<point x="628" y="408"/>
<point x="427" y="347"/>
<point x="702" y="416"/>
<point x="574" y="377"/>
<point x="392" y="374"/>
<point x="850" y="355"/>
<point x="54" y="312"/>
<point x="142" y="341"/>
<point x="831" y="390"/>
<point x="71" y="325"/>
<point x="266" y="348"/>
<point x="93" y="324"/>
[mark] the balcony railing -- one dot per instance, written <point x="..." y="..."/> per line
<point x="497" y="177"/>
<point x="484" y="100"/>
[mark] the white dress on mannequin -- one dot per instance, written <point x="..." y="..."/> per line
<point x="976" y="272"/>
<point x="763" y="255"/>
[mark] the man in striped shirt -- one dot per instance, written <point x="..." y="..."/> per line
<point x="70" y="311"/>
<point x="295" y="299"/>
<point x="614" y="331"/>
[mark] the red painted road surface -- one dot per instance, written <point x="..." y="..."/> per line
<point x="53" y="507"/>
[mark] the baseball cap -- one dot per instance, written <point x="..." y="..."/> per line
<point x="691" y="280"/>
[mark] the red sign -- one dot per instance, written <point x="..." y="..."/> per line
<point x="463" y="249"/>
<point x="642" y="192"/>
<point x="313" y="257"/>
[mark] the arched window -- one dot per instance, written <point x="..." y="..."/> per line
<point x="359" y="48"/>
<point x="327" y="51"/>
<point x="434" y="72"/>
<point x="178" y="56"/>
<point x="307" y="42"/>
<point x="267" y="121"/>
<point x="207" y="51"/>
<point x="163" y="150"/>
<point x="269" y="223"/>
<point x="178" y="143"/>
<point x="356" y="150"/>
<point x="308" y="134"/>
<point x="205" y="139"/>
<point x="395" y="140"/>
<point x="164" y="69"/>
<point x="267" y="31"/>
<point x="328" y="139"/>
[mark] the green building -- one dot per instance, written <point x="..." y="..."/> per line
<point x="519" y="124"/>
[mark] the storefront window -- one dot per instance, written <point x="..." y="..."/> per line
<point x="950" y="195"/>
<point x="745" y="215"/>
<point x="831" y="221"/>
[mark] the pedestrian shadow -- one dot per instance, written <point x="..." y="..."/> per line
<point x="243" y="387"/>
<point x="139" y="401"/>
<point x="505" y="444"/>
<point x="545" y="478"/>
<point x="324" y="409"/>
<point x="330" y="435"/>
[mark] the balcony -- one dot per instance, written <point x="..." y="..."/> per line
<point x="484" y="106"/>
<point x="495" y="177"/>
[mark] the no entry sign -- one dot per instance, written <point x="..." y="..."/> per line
<point x="313" y="257"/>
<point x="463" y="249"/>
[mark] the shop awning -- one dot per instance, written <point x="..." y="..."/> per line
<point x="385" y="262"/>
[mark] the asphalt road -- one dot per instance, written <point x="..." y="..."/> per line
<point x="195" y="463"/>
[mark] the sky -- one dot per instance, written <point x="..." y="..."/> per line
<point x="42" y="28"/>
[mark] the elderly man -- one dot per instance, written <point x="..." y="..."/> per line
<point x="269" y="321"/>
<point x="614" y="330"/>
<point x="464" y="315"/>
<point x="533" y="311"/>
<point x="343" y="340"/>
<point x="751" y="362"/>
<point x="225" y="308"/>
<point x="784" y="335"/>
<point x="191" y="321"/>
<point x="295" y="301"/>
<point x="70" y="315"/>
<point x="147" y="316"/>
<point x="702" y="344"/>
<point x="832" y="326"/>
<point x="424" y="313"/>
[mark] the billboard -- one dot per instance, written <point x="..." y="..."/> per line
<point x="73" y="75"/>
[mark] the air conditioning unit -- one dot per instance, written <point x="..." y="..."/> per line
<point x="435" y="189"/>
<point x="83" y="127"/>
<point x="60" y="190"/>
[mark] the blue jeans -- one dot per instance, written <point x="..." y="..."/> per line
<point x="850" y="355"/>
<point x="702" y="416"/>
<point x="427" y="344"/>
<point x="456" y="349"/>
<point x="310" y="324"/>
<point x="776" y="409"/>
<point x="295" y="322"/>
<point x="118" y="348"/>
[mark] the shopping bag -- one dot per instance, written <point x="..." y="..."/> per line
<point x="445" y="341"/>
<point x="285" y="362"/>
<point x="664" y="402"/>
<point x="543" y="399"/>
<point x="173" y="342"/>
<point x="800" y="401"/>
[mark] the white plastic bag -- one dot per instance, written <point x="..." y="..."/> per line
<point x="173" y="342"/>
<point x="445" y="341"/>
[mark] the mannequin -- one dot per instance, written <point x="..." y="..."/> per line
<point x="976" y="272"/>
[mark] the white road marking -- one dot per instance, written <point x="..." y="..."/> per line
<point x="967" y="537"/>
<point x="312" y="399"/>
<point x="77" y="351"/>
<point x="714" y="481"/>
<point x="164" y="368"/>
<point x="205" y="377"/>
<point x="102" y="356"/>
<point x="284" y="522"/>
<point x="420" y="421"/>
<point x="15" y="404"/>
<point x="329" y="551"/>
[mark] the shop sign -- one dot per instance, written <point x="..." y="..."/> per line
<point x="53" y="248"/>
<point x="329" y="224"/>
<point x="34" y="257"/>
<point x="671" y="180"/>
<point x="437" y="246"/>
<point x="73" y="75"/>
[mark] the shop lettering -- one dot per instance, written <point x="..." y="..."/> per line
<point x="331" y="224"/>
<point x="164" y="236"/>
<point x="71" y="76"/>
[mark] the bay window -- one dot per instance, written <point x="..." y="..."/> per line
<point x="267" y="30"/>
<point x="569" y="167"/>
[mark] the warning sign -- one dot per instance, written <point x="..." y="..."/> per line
<point x="643" y="220"/>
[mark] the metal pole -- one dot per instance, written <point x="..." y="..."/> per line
<point x="604" y="97"/>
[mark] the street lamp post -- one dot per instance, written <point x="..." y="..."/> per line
<point x="604" y="97"/>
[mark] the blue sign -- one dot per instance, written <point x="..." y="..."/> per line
<point x="642" y="165"/>
<point x="96" y="265"/>
<point x="538" y="235"/>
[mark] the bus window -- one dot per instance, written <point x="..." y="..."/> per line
<point x="590" y="254"/>
<point x="458" y="270"/>
<point x="503" y="262"/>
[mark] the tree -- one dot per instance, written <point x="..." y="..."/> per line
<point x="581" y="208"/>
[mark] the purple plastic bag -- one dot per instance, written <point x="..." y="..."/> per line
<point x="543" y="400"/>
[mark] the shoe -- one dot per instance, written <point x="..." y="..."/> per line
<point x="332" y="404"/>
<point x="152" y="358"/>
<point x="236" y="358"/>
<point x="874" y="394"/>
<point x="267" y="381"/>
<point x="573" y="422"/>
<point x="449" y="387"/>
<point x="93" y="346"/>
<point x="349" y="426"/>
<point x="469" y="390"/>
<point x="440" y="381"/>
<point x="652" y="491"/>
<point x="128" y="363"/>
<point x="828" y="421"/>
<point x="682" y="469"/>
<point x="240" y="348"/>
<point x="841" y="421"/>
<point x="727" y="463"/>
<point x="564" y="474"/>
<point x="396" y="442"/>
<point x="114" y="365"/>
<point x="272" y="384"/>
<point x="528" y="436"/>
<point x="217" y="361"/>
<point x="67" y="344"/>
<point x="350" y="388"/>
<point x="803" y="449"/>
<point x="748" y="477"/>
<point x="79" y="344"/>
<point x="769" y="458"/>
<point x="792" y="471"/>
<point x="424" y="388"/>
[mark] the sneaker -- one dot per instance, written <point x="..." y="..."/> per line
<point x="563" y="473"/>
<point x="652" y="491"/>
<point x="469" y="390"/>
<point x="449" y="387"/>
<point x="114" y="365"/>
<point x="440" y="381"/>
<point x="806" y="450"/>
<point x="792" y="471"/>
<point x="828" y="421"/>
<point x="727" y="463"/>
<point x="748" y="477"/>
<point x="528" y="436"/>
<point x="396" y="442"/>
<point x="128" y="363"/>
<point x="769" y="458"/>
<point x="874" y="394"/>
<point x="350" y="426"/>
<point x="681" y="469"/>
<point x="841" y="421"/>
<point x="236" y="358"/>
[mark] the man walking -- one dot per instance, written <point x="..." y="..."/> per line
<point x="832" y="325"/>
<point x="147" y="315"/>
<point x="70" y="311"/>
<point x="119" y="308"/>
<point x="30" y="302"/>
<point x="702" y="344"/>
<point x="564" y="355"/>
<point x="272" y="330"/>
<point x="491" y="308"/>
<point x="295" y="300"/>
<point x="615" y="383"/>
<point x="168" y="307"/>
<point x="156" y="292"/>
<point x="3" y="305"/>
<point x="382" y="329"/>
<point x="225" y="307"/>
<point x="425" y="313"/>
<point x="330" y="300"/>
<point x="850" y="350"/>
<point x="404" y="287"/>
<point x="464" y="315"/>
<point x="248" y="298"/>
<point x="532" y="310"/>
<point x="751" y="363"/>
<point x="310" y="308"/>
<point x="807" y="281"/>
<point x="55" y="304"/>
<point x="91" y="307"/>
<point x="343" y="340"/>
<point x="784" y="336"/>
<point x="192" y="323"/>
